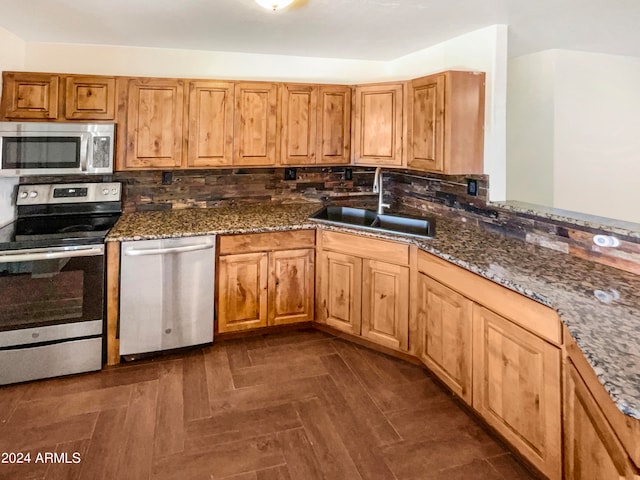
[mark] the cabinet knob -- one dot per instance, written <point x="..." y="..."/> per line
<point x="167" y="331"/>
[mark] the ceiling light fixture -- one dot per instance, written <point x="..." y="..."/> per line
<point x="274" y="4"/>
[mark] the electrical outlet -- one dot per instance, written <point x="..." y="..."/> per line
<point x="348" y="174"/>
<point x="290" y="174"/>
<point x="167" y="178"/>
<point x="472" y="187"/>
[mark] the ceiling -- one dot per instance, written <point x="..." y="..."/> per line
<point x="353" y="29"/>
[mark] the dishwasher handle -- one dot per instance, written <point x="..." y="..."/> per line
<point x="138" y="252"/>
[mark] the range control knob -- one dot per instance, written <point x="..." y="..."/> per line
<point x="114" y="191"/>
<point x="105" y="191"/>
<point x="33" y="194"/>
<point x="24" y="194"/>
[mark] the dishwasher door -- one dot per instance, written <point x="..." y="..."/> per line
<point x="166" y="294"/>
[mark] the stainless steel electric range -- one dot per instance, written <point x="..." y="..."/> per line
<point x="52" y="267"/>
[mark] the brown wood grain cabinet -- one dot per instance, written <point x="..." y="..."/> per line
<point x="445" y="329"/>
<point x="361" y="295"/>
<point x="209" y="125"/>
<point x="378" y="124"/>
<point x="154" y="119"/>
<point x="516" y="388"/>
<point x="334" y="124"/>
<point x="592" y="451"/>
<point x="265" y="279"/>
<point x="445" y="116"/>
<point x="30" y="96"/>
<point x="255" y="123"/>
<point x="89" y="98"/>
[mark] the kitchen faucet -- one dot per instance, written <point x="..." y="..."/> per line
<point x="377" y="188"/>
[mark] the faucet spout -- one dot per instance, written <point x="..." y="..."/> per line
<point x="378" y="188"/>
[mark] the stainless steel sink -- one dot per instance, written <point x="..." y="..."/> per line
<point x="369" y="220"/>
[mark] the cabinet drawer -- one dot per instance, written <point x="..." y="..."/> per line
<point x="535" y="317"/>
<point x="261" y="242"/>
<point x="365" y="247"/>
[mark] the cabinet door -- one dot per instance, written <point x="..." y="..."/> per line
<point x="341" y="291"/>
<point x="90" y="98"/>
<point x="378" y="125"/>
<point x="242" y="292"/>
<point x="255" y="124"/>
<point x="516" y="388"/>
<point x="334" y="125"/>
<point x="291" y="280"/>
<point x="591" y="449"/>
<point x="445" y="325"/>
<point x="210" y="125"/>
<point x="154" y="123"/>
<point x="426" y="123"/>
<point x="385" y="303"/>
<point x="30" y="96"/>
<point x="299" y="124"/>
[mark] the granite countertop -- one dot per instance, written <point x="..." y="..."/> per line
<point x="599" y="305"/>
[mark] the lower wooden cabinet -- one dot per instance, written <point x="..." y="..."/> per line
<point x="268" y="285"/>
<point x="516" y="388"/>
<point x="592" y="450"/>
<point x="445" y="329"/>
<point x="363" y="296"/>
<point x="242" y="291"/>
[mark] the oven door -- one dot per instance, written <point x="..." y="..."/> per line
<point x="51" y="286"/>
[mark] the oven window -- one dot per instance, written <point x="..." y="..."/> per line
<point x="50" y="292"/>
<point x="40" y="152"/>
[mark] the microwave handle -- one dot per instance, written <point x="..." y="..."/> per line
<point x="84" y="159"/>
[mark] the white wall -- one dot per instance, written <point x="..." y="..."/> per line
<point x="530" y="131"/>
<point x="12" y="55"/>
<point x="573" y="140"/>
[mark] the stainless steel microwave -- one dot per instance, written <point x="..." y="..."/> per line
<point x="50" y="148"/>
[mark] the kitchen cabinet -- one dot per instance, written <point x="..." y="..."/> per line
<point x="445" y="123"/>
<point x="209" y="124"/>
<point x="315" y="124"/>
<point x="445" y="329"/>
<point x="265" y="279"/>
<point x="154" y="119"/>
<point x="89" y="98"/>
<point x="592" y="450"/>
<point x="255" y="123"/>
<point x="54" y="97"/>
<point x="361" y="295"/>
<point x="378" y="124"/>
<point x="516" y="388"/>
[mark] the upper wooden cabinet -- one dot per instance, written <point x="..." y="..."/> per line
<point x="53" y="97"/>
<point x="315" y="124"/>
<point x="210" y="124"/>
<point x="30" y="96"/>
<point x="334" y="124"/>
<point x="89" y="98"/>
<point x="445" y="115"/>
<point x="255" y="123"/>
<point x="377" y="135"/>
<point x="154" y="119"/>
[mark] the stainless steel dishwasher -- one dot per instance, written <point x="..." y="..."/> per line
<point x="166" y="294"/>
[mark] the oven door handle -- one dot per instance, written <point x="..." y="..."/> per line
<point x="135" y="252"/>
<point x="32" y="257"/>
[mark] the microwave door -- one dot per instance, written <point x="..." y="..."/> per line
<point x="38" y="153"/>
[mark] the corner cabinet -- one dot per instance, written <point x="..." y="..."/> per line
<point x="445" y="123"/>
<point x="361" y="295"/>
<point x="378" y="124"/>
<point x="265" y="279"/>
<point x="445" y="329"/>
<point x="53" y="97"/>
